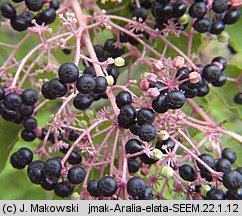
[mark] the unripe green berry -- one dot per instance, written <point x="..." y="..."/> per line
<point x="89" y="113"/>
<point x="204" y="190"/>
<point x="164" y="135"/>
<point x="223" y="37"/>
<point x="157" y="154"/>
<point x="184" y="19"/>
<point x="167" y="171"/>
<point x="75" y="196"/>
<point x="83" y="124"/>
<point x="110" y="80"/>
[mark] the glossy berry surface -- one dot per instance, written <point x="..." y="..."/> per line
<point x="56" y="88"/>
<point x="133" y="146"/>
<point x="187" y="172"/>
<point x="54" y="4"/>
<point x="29" y="97"/>
<point x="238" y="98"/>
<point x="133" y="165"/>
<point x="215" y="194"/>
<point x="63" y="189"/>
<point x="148" y="195"/>
<point x="12" y="101"/>
<point x="229" y="154"/>
<point x="30" y="123"/>
<point x="145" y="115"/>
<point x="127" y="115"/>
<point x="140" y="14"/>
<point x="28" y="135"/>
<point x="208" y="159"/>
<point x="68" y="72"/>
<point x="107" y="186"/>
<point x="159" y="104"/>
<point x="211" y="72"/>
<point x="89" y="70"/>
<point x="49" y="183"/>
<point x="202" y="25"/>
<point x="53" y="167"/>
<point x="101" y="85"/>
<point x="175" y="99"/>
<point x="36" y="171"/>
<point x="92" y="188"/>
<point x="198" y="10"/>
<point x="136" y="186"/>
<point x="85" y="84"/>
<point x="147" y="132"/>
<point x="123" y="98"/>
<point x="220" y="6"/>
<point x="7" y="10"/>
<point x="34" y="5"/>
<point x="82" y="102"/>
<point x="223" y="165"/>
<point x="165" y="145"/>
<point x="75" y="158"/>
<point x="110" y="47"/>
<point x="76" y="175"/>
<point x="232" y="16"/>
<point x="232" y="180"/>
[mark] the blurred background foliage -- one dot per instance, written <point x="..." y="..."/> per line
<point x="219" y="103"/>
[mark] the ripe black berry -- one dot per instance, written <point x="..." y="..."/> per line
<point x="164" y="145"/>
<point x="127" y="115"/>
<point x="34" y="5"/>
<point x="147" y="160"/>
<point x="25" y="110"/>
<point x="209" y="160"/>
<point x="76" y="175"/>
<point x="234" y="194"/>
<point x="203" y="90"/>
<point x="63" y="189"/>
<point x="45" y="91"/>
<point x="75" y="158"/>
<point x="73" y="135"/>
<point x="147" y="3"/>
<point x="47" y="16"/>
<point x="12" y="101"/>
<point x="68" y="72"/>
<point x="90" y="70"/>
<point x="2" y="93"/>
<point x="66" y="51"/>
<point x="159" y="85"/>
<point x="107" y="186"/>
<point x="35" y="171"/>
<point x="8" y="11"/>
<point x="229" y="154"/>
<point x="85" y="84"/>
<point x="101" y="85"/>
<point x="219" y="6"/>
<point x="16" y="162"/>
<point x="92" y="188"/>
<point x="147" y="132"/>
<point x="215" y="194"/>
<point x="148" y="195"/>
<point x="220" y="60"/>
<point x="217" y="27"/>
<point x="159" y="104"/>
<point x="99" y="50"/>
<point x="56" y="88"/>
<point x="28" y="135"/>
<point x="134" y="128"/>
<point x="123" y="98"/>
<point x="82" y="102"/>
<point x="232" y="180"/>
<point x="220" y="81"/>
<point x="175" y="99"/>
<point x="179" y="9"/>
<point x="54" y="4"/>
<point x="223" y="165"/>
<point x="29" y="97"/>
<point x="202" y="25"/>
<point x="232" y="16"/>
<point x="9" y="115"/>
<point x="145" y="115"/>
<point x="238" y="98"/>
<point x="109" y="47"/>
<point x="114" y="72"/>
<point x="28" y="17"/>
<point x="19" y="24"/>
<point x="182" y="73"/>
<point x="53" y="167"/>
<point x="49" y="183"/>
<point x="30" y="123"/>
<point x="189" y="92"/>
<point x="136" y="186"/>
<point x="239" y="169"/>
<point x="198" y="10"/>
<point x="133" y="165"/>
<point x="133" y="146"/>
<point x="140" y="13"/>
<point x="187" y="172"/>
<point x="211" y="72"/>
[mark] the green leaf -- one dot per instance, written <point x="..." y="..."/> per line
<point x="8" y="136"/>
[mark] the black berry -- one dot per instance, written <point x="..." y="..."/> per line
<point x="63" y="189"/>
<point x="30" y="123"/>
<point x="85" y="84"/>
<point x="238" y="98"/>
<point x="34" y="5"/>
<point x="28" y="135"/>
<point x="53" y="167"/>
<point x="187" y="172"/>
<point x="140" y="13"/>
<point x="136" y="186"/>
<point x="101" y="85"/>
<point x="54" y="4"/>
<point x="68" y="73"/>
<point x="127" y="115"/>
<point x="76" y="175"/>
<point x="123" y="98"/>
<point x="92" y="188"/>
<point x="232" y="180"/>
<point x="209" y="160"/>
<point x="107" y="186"/>
<point x="8" y="11"/>
<point x="164" y="145"/>
<point x="49" y="183"/>
<point x="82" y="102"/>
<point x="202" y="25"/>
<point x="198" y="10"/>
<point x="175" y="99"/>
<point x="211" y="72"/>
<point x="159" y="104"/>
<point x="145" y="115"/>
<point x="229" y="154"/>
<point x="232" y="16"/>
<point x="147" y="132"/>
<point x="133" y="146"/>
<point x="133" y="165"/>
<point x="219" y="6"/>
<point x="36" y="171"/>
<point x="223" y="165"/>
<point x="12" y="101"/>
<point x="215" y="194"/>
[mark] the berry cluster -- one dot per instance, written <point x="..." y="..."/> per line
<point x="24" y="20"/>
